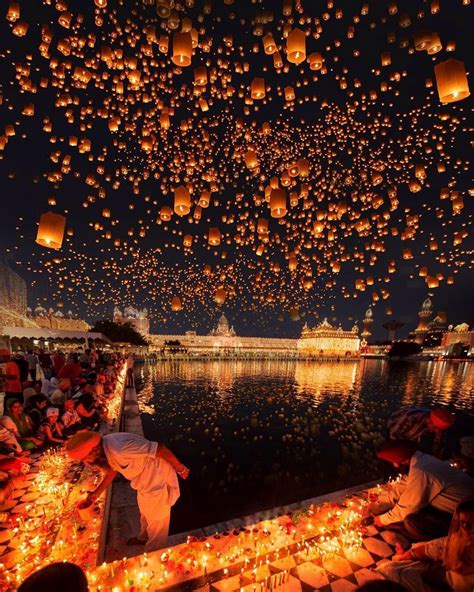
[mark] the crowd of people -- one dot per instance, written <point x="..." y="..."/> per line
<point x="48" y="397"/>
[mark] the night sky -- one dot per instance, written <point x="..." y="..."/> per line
<point x="90" y="275"/>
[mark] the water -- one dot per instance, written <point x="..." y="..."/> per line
<point x="258" y="434"/>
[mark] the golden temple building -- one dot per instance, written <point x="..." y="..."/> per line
<point x="324" y="340"/>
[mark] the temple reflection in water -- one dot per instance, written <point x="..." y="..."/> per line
<point x="443" y="382"/>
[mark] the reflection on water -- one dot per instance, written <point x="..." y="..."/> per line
<point x="248" y="428"/>
<point x="444" y="383"/>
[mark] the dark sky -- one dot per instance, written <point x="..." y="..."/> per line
<point x="27" y="161"/>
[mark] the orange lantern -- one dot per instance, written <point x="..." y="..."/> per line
<point x="257" y="89"/>
<point x="278" y="203"/>
<point x="251" y="160"/>
<point x="165" y="213"/>
<point x="176" y="305"/>
<point x="214" y="237"/>
<point x="182" y="49"/>
<point x="51" y="230"/>
<point x="296" y="46"/>
<point x="182" y="201"/>
<point x="315" y="61"/>
<point x="451" y="81"/>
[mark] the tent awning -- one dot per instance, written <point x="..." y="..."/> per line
<point x="52" y="334"/>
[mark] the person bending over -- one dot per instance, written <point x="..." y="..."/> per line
<point x="149" y="466"/>
<point x="426" y="498"/>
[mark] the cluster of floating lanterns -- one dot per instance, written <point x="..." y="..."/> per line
<point x="252" y="148"/>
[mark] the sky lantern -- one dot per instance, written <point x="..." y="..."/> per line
<point x="451" y="81"/>
<point x="269" y="44"/>
<point x="296" y="46"/>
<point x="165" y="213"/>
<point x="214" y="237"/>
<point x="315" y="60"/>
<point x="205" y="199"/>
<point x="200" y="76"/>
<point x="257" y="89"/>
<point x="262" y="226"/>
<point x="220" y="295"/>
<point x="278" y="203"/>
<point x="176" y="305"/>
<point x="182" y="49"/>
<point x="251" y="160"/>
<point x="51" y="230"/>
<point x="182" y="201"/>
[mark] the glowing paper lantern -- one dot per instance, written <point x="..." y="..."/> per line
<point x="262" y="226"/>
<point x="214" y="237"/>
<point x="182" y="201"/>
<point x="182" y="49"/>
<point x="296" y="46"/>
<point x="166" y="213"/>
<point x="451" y="81"/>
<point x="220" y="296"/>
<point x="176" y="304"/>
<point x="257" y="89"/>
<point x="251" y="160"/>
<point x="51" y="230"/>
<point x="315" y="61"/>
<point x="269" y="44"/>
<point x="278" y="203"/>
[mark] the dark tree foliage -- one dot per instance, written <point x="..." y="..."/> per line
<point x="119" y="333"/>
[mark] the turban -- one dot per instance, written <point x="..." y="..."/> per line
<point x="396" y="451"/>
<point x="80" y="445"/>
<point x="442" y="419"/>
<point x="64" y="385"/>
<point x="52" y="411"/>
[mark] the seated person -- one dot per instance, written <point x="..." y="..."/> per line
<point x="8" y="441"/>
<point x="86" y="407"/>
<point x="70" y="419"/>
<point x="51" y="429"/>
<point x="99" y="386"/>
<point x="35" y="409"/>
<point x="446" y="563"/>
<point x="426" y="498"/>
<point x="59" y="395"/>
<point x="24" y="430"/>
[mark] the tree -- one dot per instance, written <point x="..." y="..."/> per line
<point x="119" y="333"/>
<point x="403" y="349"/>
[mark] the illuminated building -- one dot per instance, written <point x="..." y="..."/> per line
<point x="458" y="341"/>
<point x="223" y="340"/>
<point x="367" y="323"/>
<point x="137" y="318"/>
<point x="13" y="294"/>
<point x="426" y="311"/>
<point x="328" y="341"/>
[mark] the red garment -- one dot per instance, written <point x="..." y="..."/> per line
<point x="70" y="371"/>
<point x="58" y="362"/>
<point x="12" y="385"/>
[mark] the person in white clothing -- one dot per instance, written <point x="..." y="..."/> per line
<point x="426" y="567"/>
<point x="151" y="469"/>
<point x="424" y="500"/>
